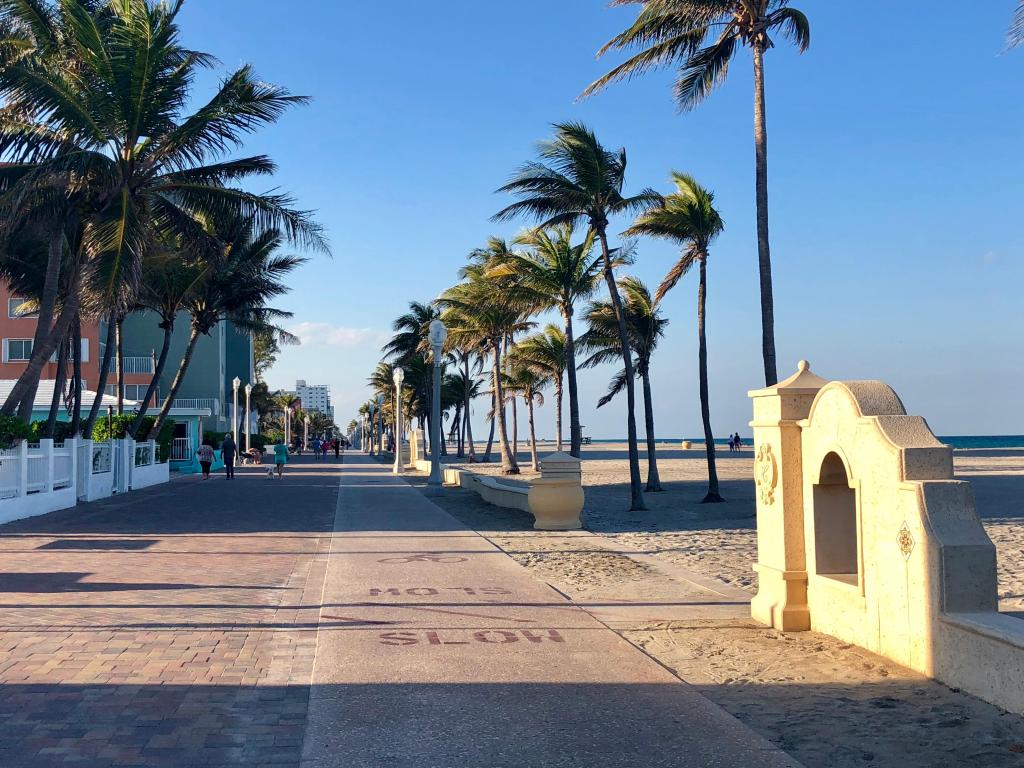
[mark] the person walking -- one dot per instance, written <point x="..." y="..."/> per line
<point x="228" y="451"/>
<point x="316" y="448"/>
<point x="337" y="448"/>
<point x="280" y="458"/>
<point x="205" y="455"/>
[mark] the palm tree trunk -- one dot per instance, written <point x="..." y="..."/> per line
<point x="575" y="430"/>
<point x="154" y="383"/>
<point x="179" y="377"/>
<point x="490" y="436"/>
<point x="47" y="306"/>
<point x="515" y="428"/>
<point x="76" y="346"/>
<point x="653" y="478"/>
<point x="24" y="388"/>
<point x="119" y="363"/>
<point x="469" y="421"/>
<point x="558" y="413"/>
<point x="705" y="409"/>
<point x="764" y="259"/>
<point x="101" y="385"/>
<point x="456" y="431"/>
<point x="533" y="434"/>
<point x="58" y="388"/>
<point x="509" y="466"/>
<point x="636" y="491"/>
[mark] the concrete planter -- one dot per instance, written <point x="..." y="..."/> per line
<point x="556" y="504"/>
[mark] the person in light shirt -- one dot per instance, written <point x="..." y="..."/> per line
<point x="205" y="456"/>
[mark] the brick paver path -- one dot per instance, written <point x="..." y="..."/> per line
<point x="173" y="626"/>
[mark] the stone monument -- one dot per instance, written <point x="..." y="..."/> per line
<point x="864" y="534"/>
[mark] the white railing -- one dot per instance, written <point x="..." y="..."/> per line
<point x="138" y="365"/>
<point x="10" y="472"/>
<point x="181" y="449"/>
<point x="38" y="469"/>
<point x="41" y="467"/>
<point x="197" y="403"/>
<point x="63" y="472"/>
<point x="44" y="477"/>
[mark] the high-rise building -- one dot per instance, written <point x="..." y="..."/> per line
<point x="315" y="397"/>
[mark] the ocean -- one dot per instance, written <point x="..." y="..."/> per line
<point x="955" y="441"/>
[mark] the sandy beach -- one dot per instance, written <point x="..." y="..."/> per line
<point x="824" y="701"/>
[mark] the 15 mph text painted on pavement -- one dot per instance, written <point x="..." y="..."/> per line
<point x="430" y="591"/>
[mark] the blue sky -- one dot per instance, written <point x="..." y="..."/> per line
<point x="895" y="188"/>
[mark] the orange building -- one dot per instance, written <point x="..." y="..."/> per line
<point x="17" y="329"/>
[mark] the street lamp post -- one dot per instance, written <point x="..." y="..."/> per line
<point x="380" y="425"/>
<point x="248" y="393"/>
<point x="235" y="384"/>
<point x="438" y="334"/>
<point x="399" y="464"/>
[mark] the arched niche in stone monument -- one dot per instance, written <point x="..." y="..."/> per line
<point x="836" y="531"/>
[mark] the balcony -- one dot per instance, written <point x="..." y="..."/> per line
<point x="211" y="404"/>
<point x="138" y="364"/>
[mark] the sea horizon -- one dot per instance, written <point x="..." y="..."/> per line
<point x="961" y="442"/>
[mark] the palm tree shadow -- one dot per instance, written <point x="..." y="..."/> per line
<point x="58" y="582"/>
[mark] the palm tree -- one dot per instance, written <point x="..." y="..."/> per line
<point x="574" y="180"/>
<point x="1016" y="34"/>
<point x="545" y="354"/>
<point x="81" y="107"/>
<point x="646" y="327"/>
<point x="479" y="262"/>
<point x="382" y="383"/>
<point x="169" y="280"/>
<point x="411" y="332"/>
<point x="688" y="217"/>
<point x="527" y="383"/>
<point x="477" y="312"/>
<point x="242" y="276"/>
<point x="466" y="388"/>
<point x="673" y="33"/>
<point x="555" y="274"/>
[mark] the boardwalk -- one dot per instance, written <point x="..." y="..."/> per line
<point x="336" y="617"/>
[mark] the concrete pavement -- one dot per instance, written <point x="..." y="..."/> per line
<point x="271" y="623"/>
<point x="454" y="655"/>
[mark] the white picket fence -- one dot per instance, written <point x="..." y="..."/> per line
<point x="36" y="478"/>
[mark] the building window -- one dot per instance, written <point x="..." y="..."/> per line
<point x="17" y="350"/>
<point x="14" y="308"/>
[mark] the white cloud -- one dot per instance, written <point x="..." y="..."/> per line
<point x="325" y="334"/>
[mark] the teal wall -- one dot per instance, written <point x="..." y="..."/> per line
<point x="225" y="353"/>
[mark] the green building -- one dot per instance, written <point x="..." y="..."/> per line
<point x="218" y="358"/>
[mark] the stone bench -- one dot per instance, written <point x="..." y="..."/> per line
<point x="555" y="499"/>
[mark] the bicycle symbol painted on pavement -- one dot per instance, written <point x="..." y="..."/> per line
<point x="426" y="557"/>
